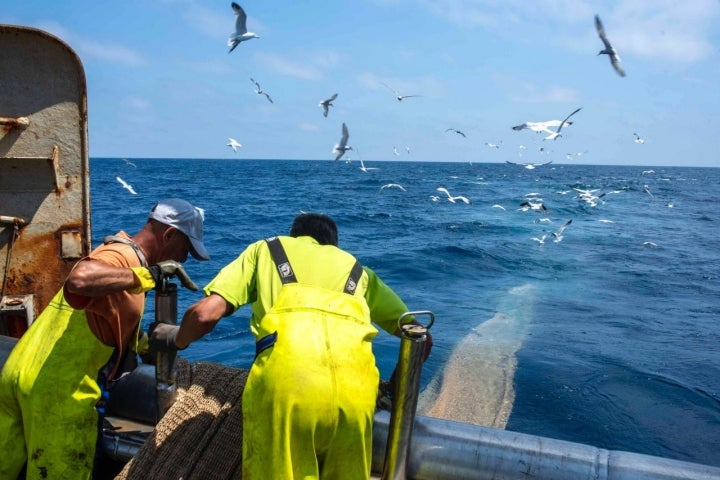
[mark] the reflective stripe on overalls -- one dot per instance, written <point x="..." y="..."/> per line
<point x="310" y="397"/>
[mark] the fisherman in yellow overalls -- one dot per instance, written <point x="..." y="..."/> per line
<point x="309" y="401"/>
<point x="51" y="382"/>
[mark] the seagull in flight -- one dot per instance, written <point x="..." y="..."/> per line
<point x="364" y="168"/>
<point x="638" y="139"/>
<point x="392" y="185"/>
<point x="540" y="240"/>
<point x="539" y="127"/>
<point x="397" y="94"/>
<point x="554" y="135"/>
<point x="453" y="199"/>
<point x="557" y="236"/>
<point x="569" y="156"/>
<point x="456" y="131"/>
<point x="234" y="144"/>
<point x="588" y="196"/>
<point x="126" y="185"/>
<point x="608" y="50"/>
<point x="534" y="206"/>
<point x="325" y="104"/>
<point x="341" y="147"/>
<point x="493" y="145"/>
<point x="128" y="162"/>
<point x="259" y="90"/>
<point x="241" y="32"/>
<point x="529" y="166"/>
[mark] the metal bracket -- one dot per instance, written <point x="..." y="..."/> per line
<point x="416" y="314"/>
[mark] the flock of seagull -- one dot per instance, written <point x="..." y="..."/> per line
<point x="551" y="127"/>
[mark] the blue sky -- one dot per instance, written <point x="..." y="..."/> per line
<point x="161" y="82"/>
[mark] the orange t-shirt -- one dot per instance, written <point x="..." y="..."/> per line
<point x="114" y="318"/>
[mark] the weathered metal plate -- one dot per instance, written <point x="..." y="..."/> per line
<point x="44" y="165"/>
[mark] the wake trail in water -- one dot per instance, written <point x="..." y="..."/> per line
<point x="476" y="384"/>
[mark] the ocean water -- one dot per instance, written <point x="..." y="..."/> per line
<point x="607" y="336"/>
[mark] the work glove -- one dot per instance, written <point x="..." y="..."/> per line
<point x="162" y="337"/>
<point x="149" y="277"/>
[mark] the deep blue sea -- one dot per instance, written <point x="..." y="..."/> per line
<point x="619" y="323"/>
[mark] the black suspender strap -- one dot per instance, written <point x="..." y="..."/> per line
<point x="281" y="261"/>
<point x="354" y="278"/>
<point x="288" y="276"/>
<point x="114" y="238"/>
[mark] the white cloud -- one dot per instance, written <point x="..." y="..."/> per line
<point x="526" y="92"/>
<point x="660" y="29"/>
<point x="110" y="53"/>
<point x="309" y="127"/>
<point x="290" y="68"/>
<point x="137" y="103"/>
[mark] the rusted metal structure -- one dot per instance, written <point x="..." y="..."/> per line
<point x="44" y="171"/>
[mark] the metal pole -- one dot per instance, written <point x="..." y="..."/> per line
<point x="165" y="367"/>
<point x="405" y="396"/>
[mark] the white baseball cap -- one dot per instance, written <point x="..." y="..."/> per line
<point x="187" y="218"/>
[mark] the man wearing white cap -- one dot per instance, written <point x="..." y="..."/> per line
<point x="53" y="379"/>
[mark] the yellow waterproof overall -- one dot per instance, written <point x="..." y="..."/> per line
<point x="48" y="403"/>
<point x="309" y="400"/>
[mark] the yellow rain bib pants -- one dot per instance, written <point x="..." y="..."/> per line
<point x="310" y="397"/>
<point x="48" y="404"/>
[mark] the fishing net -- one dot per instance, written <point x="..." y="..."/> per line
<point x="200" y="436"/>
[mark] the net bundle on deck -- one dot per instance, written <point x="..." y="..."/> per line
<point x="200" y="436"/>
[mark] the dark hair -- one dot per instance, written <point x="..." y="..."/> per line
<point x="321" y="227"/>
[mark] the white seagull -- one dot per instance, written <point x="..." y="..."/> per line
<point x="241" y="32"/>
<point x="554" y="135"/>
<point x="529" y="166"/>
<point x="539" y="127"/>
<point x="327" y="103"/>
<point x="234" y="144"/>
<point x="259" y="90"/>
<point x="608" y="50"/>
<point x="638" y="139"/>
<point x="534" y="206"/>
<point x="397" y="94"/>
<point x="557" y="236"/>
<point x="589" y="197"/>
<point x="494" y="145"/>
<point x="128" y="162"/>
<point x="364" y="168"/>
<point x="341" y="147"/>
<point x="126" y="185"/>
<point x="453" y="199"/>
<point x="392" y="185"/>
<point x="569" y="156"/>
<point x="540" y="240"/>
